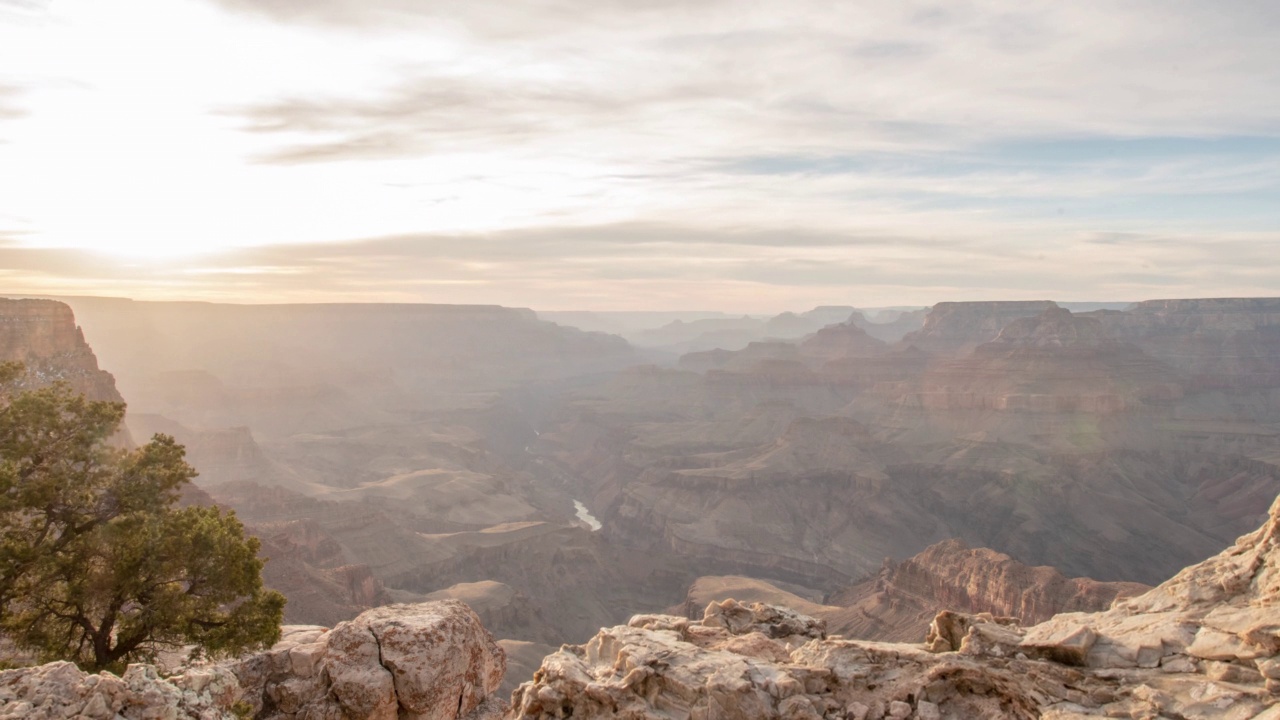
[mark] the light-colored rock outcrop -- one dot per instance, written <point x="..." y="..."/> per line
<point x="1205" y="644"/>
<point x="431" y="661"/>
<point x="61" y="690"/>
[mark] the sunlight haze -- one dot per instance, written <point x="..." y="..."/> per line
<point x="661" y="154"/>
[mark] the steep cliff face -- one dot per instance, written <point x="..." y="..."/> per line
<point x="1055" y="379"/>
<point x="306" y="564"/>
<point x="504" y="611"/>
<point x="1053" y="362"/>
<point x="42" y="334"/>
<point x="1226" y="343"/>
<point x="954" y="328"/>
<point x="899" y="603"/>
<point x="225" y="455"/>
<point x="310" y="568"/>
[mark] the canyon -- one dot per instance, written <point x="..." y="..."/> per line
<point x="1018" y="459"/>
<point x="1205" y="644"/>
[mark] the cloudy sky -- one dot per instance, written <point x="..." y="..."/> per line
<point x="624" y="154"/>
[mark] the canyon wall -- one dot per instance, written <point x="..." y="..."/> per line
<point x="42" y="334"/>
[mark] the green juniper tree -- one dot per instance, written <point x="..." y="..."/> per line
<point x="97" y="563"/>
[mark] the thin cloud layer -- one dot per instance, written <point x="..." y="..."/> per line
<point x="897" y="74"/>
<point x="574" y="154"/>
<point x="607" y="267"/>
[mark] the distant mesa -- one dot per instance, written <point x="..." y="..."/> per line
<point x="955" y="328"/>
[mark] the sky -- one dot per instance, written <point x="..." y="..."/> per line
<point x="738" y="155"/>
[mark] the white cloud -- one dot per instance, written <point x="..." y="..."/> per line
<point x="161" y="128"/>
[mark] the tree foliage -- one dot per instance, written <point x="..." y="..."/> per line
<point x="98" y="565"/>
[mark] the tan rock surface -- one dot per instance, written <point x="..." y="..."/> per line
<point x="1225" y="609"/>
<point x="60" y="691"/>
<point x="431" y="661"/>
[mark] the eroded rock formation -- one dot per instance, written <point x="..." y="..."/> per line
<point x="42" y="334"/>
<point x="954" y="328"/>
<point x="899" y="603"/>
<point x="1205" y="644"/>
<point x="60" y="691"/>
<point x="1010" y="432"/>
<point x="431" y="661"/>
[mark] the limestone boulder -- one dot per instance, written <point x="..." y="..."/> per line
<point x="60" y="690"/>
<point x="771" y="620"/>
<point x="427" y="661"/>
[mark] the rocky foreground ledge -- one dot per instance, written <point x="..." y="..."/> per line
<point x="431" y="661"/>
<point x="1205" y="644"/>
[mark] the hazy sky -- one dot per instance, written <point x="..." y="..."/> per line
<point x="620" y="154"/>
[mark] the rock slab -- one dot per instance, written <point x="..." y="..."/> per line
<point x="428" y="661"/>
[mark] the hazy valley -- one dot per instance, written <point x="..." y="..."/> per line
<point x="397" y="452"/>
